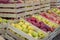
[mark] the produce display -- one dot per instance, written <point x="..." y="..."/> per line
<point x="51" y="16"/>
<point x="39" y="24"/>
<point x="28" y="29"/>
<point x="46" y="21"/>
<point x="56" y="10"/>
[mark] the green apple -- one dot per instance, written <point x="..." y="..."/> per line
<point x="27" y="23"/>
<point x="35" y="34"/>
<point x="25" y="30"/>
<point x="31" y="31"/>
<point x="58" y="12"/>
<point x="30" y="28"/>
<point x="1" y="20"/>
<point x="19" y="27"/>
<point x="5" y="21"/>
<point x="24" y="26"/>
<point x="30" y="34"/>
<point x="41" y="35"/>
<point x="54" y="9"/>
<point x="20" y="23"/>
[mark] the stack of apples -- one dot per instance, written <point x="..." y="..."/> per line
<point x="39" y="24"/>
<point x="3" y="20"/>
<point x="28" y="29"/>
<point x="46" y="21"/>
<point x="56" y="10"/>
<point x="53" y="17"/>
<point x="58" y="7"/>
<point x="4" y="1"/>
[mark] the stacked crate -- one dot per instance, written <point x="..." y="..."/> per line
<point x="55" y="3"/>
<point x="45" y="5"/>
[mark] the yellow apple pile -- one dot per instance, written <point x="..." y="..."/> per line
<point x="46" y="21"/>
<point x="28" y="29"/>
<point x="3" y="20"/>
<point x="56" y="10"/>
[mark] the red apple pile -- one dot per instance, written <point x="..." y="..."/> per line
<point x="40" y="24"/>
<point x="4" y="1"/>
<point x="58" y="7"/>
<point x="9" y="1"/>
<point x="52" y="16"/>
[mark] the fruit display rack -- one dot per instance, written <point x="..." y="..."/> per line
<point x="23" y="7"/>
<point x="24" y="34"/>
<point x="41" y="28"/>
<point x="55" y="11"/>
<point x="20" y="32"/>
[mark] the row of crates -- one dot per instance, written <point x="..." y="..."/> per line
<point x="55" y="3"/>
<point x="10" y="9"/>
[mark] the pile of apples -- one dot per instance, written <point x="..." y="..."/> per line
<point x="51" y="16"/>
<point x="4" y="1"/>
<point x="46" y="21"/>
<point x="56" y="10"/>
<point x="28" y="29"/>
<point x="3" y="20"/>
<point x="10" y="1"/>
<point x="39" y="24"/>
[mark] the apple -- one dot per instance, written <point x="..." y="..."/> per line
<point x="5" y="21"/>
<point x="30" y="28"/>
<point x="21" y="23"/>
<point x="25" y="30"/>
<point x="48" y="22"/>
<point x="27" y="23"/>
<point x="35" y="34"/>
<point x="30" y="34"/>
<point x="39" y="24"/>
<point x="24" y="26"/>
<point x="1" y="20"/>
<point x="54" y="9"/>
<point x="41" y="35"/>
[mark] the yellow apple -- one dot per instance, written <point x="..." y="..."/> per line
<point x="25" y="30"/>
<point x="30" y="34"/>
<point x="24" y="26"/>
<point x="30" y="28"/>
<point x="41" y="34"/>
<point x="27" y="23"/>
<point x="1" y="20"/>
<point x="20" y="23"/>
<point x="12" y="24"/>
<point x="35" y="34"/>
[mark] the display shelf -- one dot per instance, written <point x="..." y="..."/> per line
<point x="24" y="34"/>
<point x="9" y="15"/>
<point x="7" y="10"/>
<point x="17" y="7"/>
<point x="8" y="5"/>
<point x="47" y="20"/>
